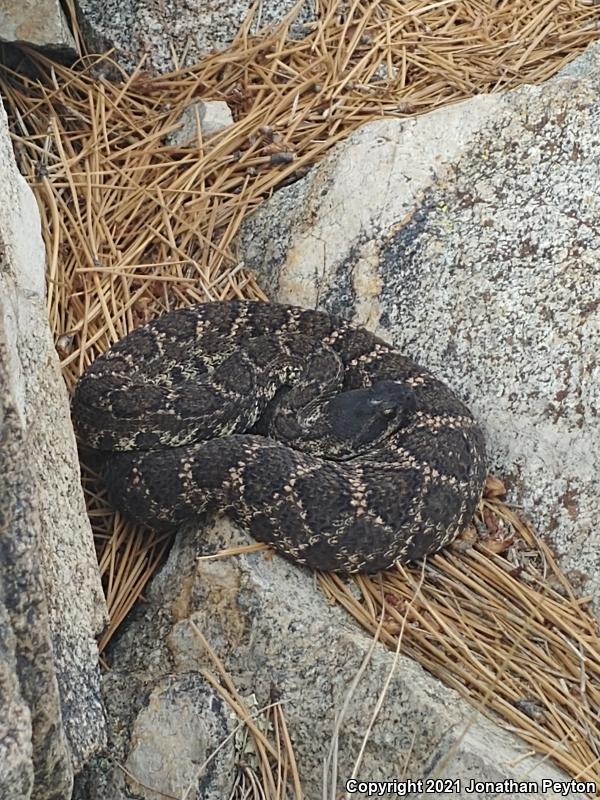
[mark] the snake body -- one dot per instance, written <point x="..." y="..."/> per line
<point x="315" y="436"/>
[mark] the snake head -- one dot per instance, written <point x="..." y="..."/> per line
<point x="364" y="417"/>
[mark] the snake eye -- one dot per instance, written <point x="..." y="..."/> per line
<point x="384" y="407"/>
<point x="391" y="397"/>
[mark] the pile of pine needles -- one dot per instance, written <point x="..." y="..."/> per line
<point x="136" y="225"/>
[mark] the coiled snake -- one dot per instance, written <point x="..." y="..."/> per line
<point x="314" y="436"/>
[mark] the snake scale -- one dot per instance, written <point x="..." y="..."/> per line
<point x="315" y="436"/>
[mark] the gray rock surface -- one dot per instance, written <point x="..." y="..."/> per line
<point x="469" y="237"/>
<point x="174" y="33"/>
<point x="211" y="116"/>
<point x="279" y="637"/>
<point x="40" y="23"/>
<point x="175" y="734"/>
<point x="51" y="602"/>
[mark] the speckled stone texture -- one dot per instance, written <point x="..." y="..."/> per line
<point x="51" y="603"/>
<point x="469" y="237"/>
<point x="175" y="33"/>
<point x="279" y="637"/>
<point x="165" y="734"/>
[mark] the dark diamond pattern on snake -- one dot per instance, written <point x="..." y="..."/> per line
<point x="314" y="436"/>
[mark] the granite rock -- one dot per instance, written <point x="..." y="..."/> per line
<point x="469" y="237"/>
<point x="174" y="33"/>
<point x="51" y="601"/>
<point x="212" y="116"/>
<point x="40" y="23"/>
<point x="280" y="638"/>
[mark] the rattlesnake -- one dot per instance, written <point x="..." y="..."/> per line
<point x="314" y="436"/>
